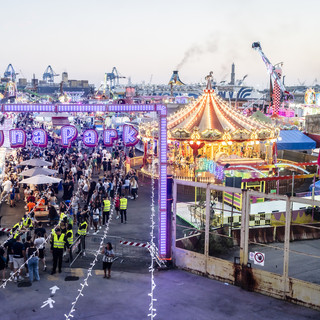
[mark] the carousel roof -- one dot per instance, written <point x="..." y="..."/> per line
<point x="213" y="119"/>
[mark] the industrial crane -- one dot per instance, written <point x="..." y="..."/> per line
<point x="114" y="77"/>
<point x="272" y="71"/>
<point x="10" y="73"/>
<point x="49" y="75"/>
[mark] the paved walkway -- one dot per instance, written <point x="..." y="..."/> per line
<point x="179" y="294"/>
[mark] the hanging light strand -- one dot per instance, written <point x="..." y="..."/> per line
<point x="152" y="310"/>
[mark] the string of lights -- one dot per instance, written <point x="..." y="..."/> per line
<point x="95" y="260"/>
<point x="152" y="310"/>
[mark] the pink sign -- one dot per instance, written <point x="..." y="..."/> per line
<point x="39" y="138"/>
<point x="68" y="134"/>
<point x="129" y="135"/>
<point x="17" y="138"/>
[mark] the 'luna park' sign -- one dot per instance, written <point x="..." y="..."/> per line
<point x="69" y="133"/>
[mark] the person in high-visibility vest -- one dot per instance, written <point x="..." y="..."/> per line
<point x="58" y="241"/>
<point x="62" y="217"/>
<point x="27" y="222"/>
<point x="123" y="208"/>
<point x="15" y="230"/>
<point x="82" y="232"/>
<point x="106" y="211"/>
<point x="69" y="236"/>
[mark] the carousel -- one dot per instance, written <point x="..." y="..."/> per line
<point x="208" y="134"/>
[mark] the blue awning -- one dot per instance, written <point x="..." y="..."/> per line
<point x="294" y="140"/>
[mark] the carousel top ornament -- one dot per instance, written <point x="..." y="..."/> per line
<point x="209" y="79"/>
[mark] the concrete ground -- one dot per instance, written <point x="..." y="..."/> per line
<point x="179" y="294"/>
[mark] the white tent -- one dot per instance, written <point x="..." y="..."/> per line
<point x="37" y="170"/>
<point x="35" y="163"/>
<point x="40" y="179"/>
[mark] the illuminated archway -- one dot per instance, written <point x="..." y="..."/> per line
<point x="164" y="234"/>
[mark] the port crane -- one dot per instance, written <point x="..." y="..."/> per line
<point x="113" y="77"/>
<point x="272" y="71"/>
<point x="49" y="75"/>
<point x="10" y="73"/>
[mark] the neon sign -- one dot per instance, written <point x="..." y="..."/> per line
<point x="17" y="138"/>
<point x="129" y="135"/>
<point x="109" y="136"/>
<point x="68" y="134"/>
<point x="90" y="138"/>
<point x="39" y="138"/>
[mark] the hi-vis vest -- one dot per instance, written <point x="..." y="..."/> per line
<point x="62" y="216"/>
<point x="58" y="243"/>
<point x="83" y="232"/>
<point x="106" y="205"/>
<point x="70" y="239"/>
<point x="123" y="203"/>
<point x="27" y="222"/>
<point x="15" y="228"/>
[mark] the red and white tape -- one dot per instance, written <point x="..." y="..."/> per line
<point x="193" y="232"/>
<point x="135" y="244"/>
<point x="5" y="229"/>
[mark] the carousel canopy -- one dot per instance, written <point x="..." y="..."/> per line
<point x="214" y="119"/>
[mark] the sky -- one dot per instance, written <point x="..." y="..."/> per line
<point x="146" y="39"/>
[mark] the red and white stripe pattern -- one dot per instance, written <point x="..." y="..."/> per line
<point x="5" y="229"/>
<point x="193" y="232"/>
<point x="276" y="97"/>
<point x="135" y="244"/>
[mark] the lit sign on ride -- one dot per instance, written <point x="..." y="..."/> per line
<point x="210" y="166"/>
<point x="17" y="138"/>
<point x="39" y="138"/>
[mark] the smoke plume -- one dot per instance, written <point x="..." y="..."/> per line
<point x="210" y="46"/>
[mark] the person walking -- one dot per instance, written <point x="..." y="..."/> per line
<point x="95" y="217"/>
<point x="117" y="205"/>
<point x="39" y="243"/>
<point x="57" y="245"/>
<point x="18" y="257"/>
<point x="69" y="236"/>
<point x="33" y="262"/>
<point x="82" y="232"/>
<point x="108" y="256"/>
<point x="106" y="211"/>
<point x="134" y="188"/>
<point x="123" y="208"/>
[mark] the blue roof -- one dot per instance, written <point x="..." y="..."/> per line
<point x="295" y="140"/>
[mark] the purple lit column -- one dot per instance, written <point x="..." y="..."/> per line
<point x="164" y="243"/>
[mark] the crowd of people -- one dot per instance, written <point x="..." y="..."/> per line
<point x="92" y="180"/>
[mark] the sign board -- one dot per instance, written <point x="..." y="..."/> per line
<point x="251" y="256"/>
<point x="259" y="258"/>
